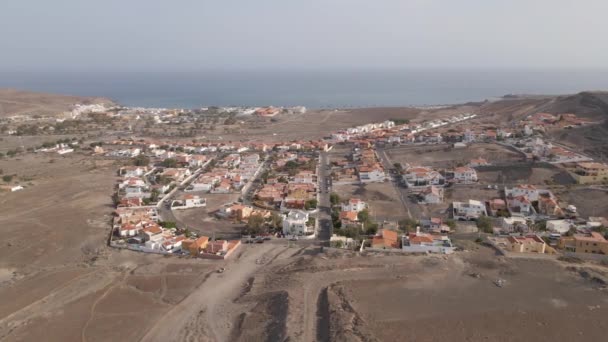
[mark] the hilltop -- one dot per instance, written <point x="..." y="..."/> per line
<point x="20" y="102"/>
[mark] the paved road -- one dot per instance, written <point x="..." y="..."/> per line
<point x="395" y="180"/>
<point x="324" y="205"/>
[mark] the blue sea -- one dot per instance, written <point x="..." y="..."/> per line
<point x="310" y="88"/>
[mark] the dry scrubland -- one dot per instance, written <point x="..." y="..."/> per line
<point x="203" y="220"/>
<point x="444" y="156"/>
<point x="17" y="102"/>
<point x="59" y="281"/>
<point x="57" y="276"/>
<point x="383" y="200"/>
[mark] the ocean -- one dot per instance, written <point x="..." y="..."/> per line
<point x="313" y="89"/>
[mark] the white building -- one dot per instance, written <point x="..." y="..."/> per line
<point x="559" y="226"/>
<point x="354" y="204"/>
<point x="432" y="195"/>
<point x="294" y="223"/>
<point x="422" y="176"/>
<point x="468" y="210"/>
<point x="523" y="190"/>
<point x="465" y="175"/>
<point x="371" y="174"/>
<point x="511" y="224"/>
<point x="189" y="201"/>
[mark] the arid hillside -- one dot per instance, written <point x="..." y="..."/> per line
<point x="18" y="102"/>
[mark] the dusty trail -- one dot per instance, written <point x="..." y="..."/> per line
<point x="205" y="314"/>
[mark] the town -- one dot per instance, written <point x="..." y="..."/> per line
<point x="446" y="175"/>
<point x="211" y="211"/>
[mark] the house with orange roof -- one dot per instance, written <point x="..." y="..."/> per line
<point x="371" y="173"/>
<point x="592" y="242"/>
<point x="197" y="160"/>
<point x="131" y="202"/>
<point x="349" y="218"/>
<point x="195" y="246"/>
<point x="426" y="243"/>
<point x="520" y="206"/>
<point x="386" y="239"/>
<point x="478" y="162"/>
<point x="525" y="244"/>
<point x="151" y="231"/>
<point x="547" y="205"/>
<point x="431" y="195"/>
<point x="465" y="175"/>
<point x="421" y="176"/>
<point x="224" y="187"/>
<point x="590" y="172"/>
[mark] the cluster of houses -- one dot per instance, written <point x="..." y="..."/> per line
<point x="571" y="236"/>
<point x="523" y="200"/>
<point x="292" y="184"/>
<point x="349" y="212"/>
<point x="241" y="213"/>
<point x="428" y="183"/>
<point x="133" y="188"/>
<point x="138" y="226"/>
<point x="546" y="121"/>
<point x="420" y="241"/>
<point x="389" y="132"/>
<point x="229" y="174"/>
<point x="369" y="168"/>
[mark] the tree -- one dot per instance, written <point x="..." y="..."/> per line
<point x="363" y="216"/>
<point x="310" y="204"/>
<point x="115" y="199"/>
<point x="169" y="162"/>
<point x="276" y="221"/>
<point x="7" y="178"/>
<point x="485" y="224"/>
<point x="408" y="225"/>
<point x="167" y="224"/>
<point x="540" y="226"/>
<point x="255" y="222"/>
<point x="334" y="198"/>
<point x="371" y="229"/>
<point x="154" y="195"/>
<point x="141" y="160"/>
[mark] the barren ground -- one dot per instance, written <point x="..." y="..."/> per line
<point x="383" y="200"/>
<point x="444" y="156"/>
<point x="59" y="281"/>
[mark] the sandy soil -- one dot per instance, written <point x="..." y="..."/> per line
<point x="589" y="202"/>
<point x="203" y="220"/>
<point x="17" y="102"/>
<point x="444" y="156"/>
<point x="382" y="199"/>
<point x="59" y="281"/>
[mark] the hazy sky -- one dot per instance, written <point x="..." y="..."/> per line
<point x="231" y="34"/>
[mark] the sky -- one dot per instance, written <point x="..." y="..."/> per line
<point x="121" y="35"/>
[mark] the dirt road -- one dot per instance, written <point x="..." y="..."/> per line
<point x="206" y="315"/>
